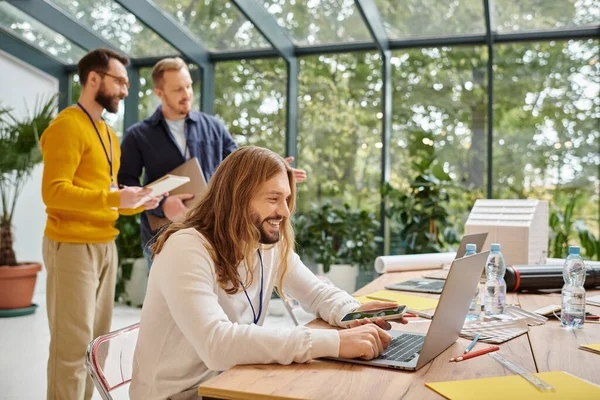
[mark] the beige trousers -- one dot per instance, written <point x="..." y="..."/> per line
<point x="80" y="294"/>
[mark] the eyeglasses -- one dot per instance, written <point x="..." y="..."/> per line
<point x="120" y="81"/>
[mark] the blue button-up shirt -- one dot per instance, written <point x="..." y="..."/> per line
<point x="149" y="146"/>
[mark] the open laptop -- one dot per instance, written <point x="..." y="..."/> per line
<point x="435" y="285"/>
<point x="410" y="351"/>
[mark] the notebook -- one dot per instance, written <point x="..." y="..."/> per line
<point x="514" y="387"/>
<point x="593" y="301"/>
<point x="410" y="301"/>
<point x="196" y="186"/>
<point x="162" y="186"/>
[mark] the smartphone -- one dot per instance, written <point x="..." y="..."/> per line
<point x="384" y="313"/>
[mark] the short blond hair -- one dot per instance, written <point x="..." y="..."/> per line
<point x="166" y="64"/>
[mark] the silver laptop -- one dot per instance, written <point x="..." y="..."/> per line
<point x="435" y="283"/>
<point x="410" y="351"/>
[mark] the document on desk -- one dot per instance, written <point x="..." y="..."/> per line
<point x="566" y="386"/>
<point x="410" y="301"/>
<point x="592" y="348"/>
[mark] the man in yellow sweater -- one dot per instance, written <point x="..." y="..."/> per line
<point x="83" y="200"/>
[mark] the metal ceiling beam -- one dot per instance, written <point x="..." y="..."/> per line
<point x="267" y="26"/>
<point x="372" y="19"/>
<point x="395" y="44"/>
<point x="169" y="30"/>
<point x="58" y="21"/>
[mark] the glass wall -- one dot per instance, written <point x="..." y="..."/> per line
<point x="339" y="133"/>
<point x="250" y="98"/>
<point x="546" y="127"/>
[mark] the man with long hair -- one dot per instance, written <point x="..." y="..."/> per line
<point x="212" y="279"/>
<point x="173" y="134"/>
<point x="83" y="200"/>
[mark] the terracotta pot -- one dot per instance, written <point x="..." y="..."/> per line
<point x="17" y="284"/>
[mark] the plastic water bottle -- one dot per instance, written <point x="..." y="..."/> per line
<point x="572" y="312"/>
<point x="475" y="308"/>
<point x="495" y="286"/>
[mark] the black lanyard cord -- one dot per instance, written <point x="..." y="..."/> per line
<point x="262" y="281"/>
<point x="109" y="159"/>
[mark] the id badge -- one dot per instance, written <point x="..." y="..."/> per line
<point x="113" y="188"/>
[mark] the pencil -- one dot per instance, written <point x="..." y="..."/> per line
<point x="470" y="346"/>
<point x="475" y="353"/>
<point x="380" y="298"/>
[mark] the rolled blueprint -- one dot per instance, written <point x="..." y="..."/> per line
<point x="411" y="262"/>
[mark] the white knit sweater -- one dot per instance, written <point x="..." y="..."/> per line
<point x="190" y="326"/>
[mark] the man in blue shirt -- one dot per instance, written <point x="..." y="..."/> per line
<point x="171" y="136"/>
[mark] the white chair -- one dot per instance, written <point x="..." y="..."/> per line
<point x="109" y="359"/>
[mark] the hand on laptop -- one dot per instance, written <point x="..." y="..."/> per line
<point x="366" y="342"/>
<point x="377" y="305"/>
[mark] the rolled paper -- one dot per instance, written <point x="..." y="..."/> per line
<point x="412" y="262"/>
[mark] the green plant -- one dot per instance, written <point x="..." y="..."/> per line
<point x="563" y="226"/>
<point x="338" y="235"/>
<point x="20" y="153"/>
<point x="419" y="213"/>
<point x="129" y="248"/>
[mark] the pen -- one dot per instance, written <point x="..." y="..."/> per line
<point x="410" y="315"/>
<point x="475" y="353"/>
<point x="470" y="346"/>
<point x="592" y="317"/>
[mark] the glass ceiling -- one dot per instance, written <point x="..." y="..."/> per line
<point x="116" y="25"/>
<point x="21" y="25"/>
<point x="319" y="21"/>
<point x="221" y="27"/>
<point x="422" y="18"/>
<point x="217" y="24"/>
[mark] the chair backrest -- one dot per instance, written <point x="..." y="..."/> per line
<point x="109" y="359"/>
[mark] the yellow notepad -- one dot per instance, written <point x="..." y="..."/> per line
<point x="410" y="301"/>
<point x="592" y="348"/>
<point x="514" y="387"/>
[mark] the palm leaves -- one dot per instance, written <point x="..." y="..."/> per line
<point x="20" y="153"/>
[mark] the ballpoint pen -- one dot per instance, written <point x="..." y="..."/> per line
<point x="475" y="354"/>
<point x="472" y="344"/>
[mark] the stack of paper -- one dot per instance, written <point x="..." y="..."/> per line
<point x="514" y="387"/>
<point x="592" y="348"/>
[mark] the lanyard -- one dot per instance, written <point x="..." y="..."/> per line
<point x="262" y="277"/>
<point x="109" y="159"/>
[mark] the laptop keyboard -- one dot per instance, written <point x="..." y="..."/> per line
<point x="404" y="348"/>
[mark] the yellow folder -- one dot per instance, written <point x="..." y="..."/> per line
<point x="514" y="387"/>
<point x="410" y="301"/>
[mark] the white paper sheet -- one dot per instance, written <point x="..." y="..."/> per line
<point x="411" y="262"/>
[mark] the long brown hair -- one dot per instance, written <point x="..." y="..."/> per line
<point x="223" y="215"/>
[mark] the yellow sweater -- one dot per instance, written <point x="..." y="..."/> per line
<point x="76" y="180"/>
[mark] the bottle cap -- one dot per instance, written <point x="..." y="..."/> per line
<point x="574" y="250"/>
<point x="471" y="247"/>
<point x="495" y="247"/>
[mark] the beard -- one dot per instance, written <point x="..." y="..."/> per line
<point x="108" y="101"/>
<point x="182" y="107"/>
<point x="265" y="237"/>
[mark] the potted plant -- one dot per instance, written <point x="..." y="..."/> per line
<point x="19" y="146"/>
<point x="132" y="276"/>
<point x="340" y="240"/>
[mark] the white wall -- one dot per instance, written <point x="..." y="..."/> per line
<point x="20" y="86"/>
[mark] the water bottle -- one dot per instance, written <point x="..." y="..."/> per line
<point x="572" y="312"/>
<point x="475" y="308"/>
<point x="495" y="286"/>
